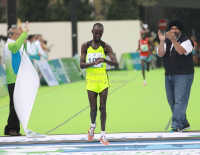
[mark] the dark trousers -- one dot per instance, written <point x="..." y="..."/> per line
<point x="13" y="121"/>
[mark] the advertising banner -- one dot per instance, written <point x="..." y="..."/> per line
<point x="136" y="61"/>
<point x="130" y="61"/>
<point x="47" y="73"/>
<point x="58" y="71"/>
<point x="81" y="71"/>
<point x="126" y="62"/>
<point x="71" y="69"/>
<point x="3" y="87"/>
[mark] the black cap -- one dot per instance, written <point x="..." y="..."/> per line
<point x="176" y="23"/>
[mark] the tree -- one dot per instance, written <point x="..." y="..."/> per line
<point x="84" y="11"/>
<point x="2" y="13"/>
<point x="58" y="12"/>
<point x="147" y="3"/>
<point x="32" y="10"/>
<point x="101" y="9"/>
<point x="61" y="10"/>
<point x="123" y="10"/>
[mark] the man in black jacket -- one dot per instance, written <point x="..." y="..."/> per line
<point x="176" y="50"/>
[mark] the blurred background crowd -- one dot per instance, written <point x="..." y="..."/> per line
<point x="37" y="47"/>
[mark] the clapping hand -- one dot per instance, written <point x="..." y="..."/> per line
<point x="170" y="35"/>
<point x="161" y="36"/>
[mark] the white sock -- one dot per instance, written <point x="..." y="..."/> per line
<point x="144" y="81"/>
<point x="103" y="133"/>
<point x="93" y="125"/>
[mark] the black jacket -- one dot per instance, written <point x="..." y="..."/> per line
<point x="176" y="64"/>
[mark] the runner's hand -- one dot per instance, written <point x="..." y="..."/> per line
<point x="99" y="60"/>
<point x="96" y="62"/>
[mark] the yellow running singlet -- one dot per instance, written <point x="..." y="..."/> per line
<point x="96" y="76"/>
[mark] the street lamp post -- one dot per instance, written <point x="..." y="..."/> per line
<point x="11" y="13"/>
<point x="74" y="11"/>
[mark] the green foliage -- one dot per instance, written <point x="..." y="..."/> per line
<point x="2" y="14"/>
<point x="84" y="11"/>
<point x="40" y="10"/>
<point x="147" y="3"/>
<point x="58" y="12"/>
<point x="33" y="10"/>
<point x="123" y="10"/>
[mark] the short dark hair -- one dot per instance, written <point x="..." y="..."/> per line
<point x="30" y="37"/>
<point x="45" y="41"/>
<point x="97" y="24"/>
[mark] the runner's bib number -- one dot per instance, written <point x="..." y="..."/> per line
<point x="91" y="57"/>
<point x="144" y="48"/>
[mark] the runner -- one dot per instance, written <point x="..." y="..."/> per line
<point x="93" y="58"/>
<point x="145" y="55"/>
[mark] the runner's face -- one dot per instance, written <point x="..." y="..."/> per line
<point x="143" y="35"/>
<point x="97" y="33"/>
<point x="176" y="31"/>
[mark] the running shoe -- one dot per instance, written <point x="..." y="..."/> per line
<point x="104" y="141"/>
<point x="144" y="84"/>
<point x="90" y="134"/>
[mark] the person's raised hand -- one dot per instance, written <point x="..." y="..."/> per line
<point x="161" y="36"/>
<point x="26" y="27"/>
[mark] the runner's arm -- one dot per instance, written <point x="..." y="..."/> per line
<point x="138" y="46"/>
<point x="151" y="45"/>
<point x="113" y="61"/>
<point x="83" y="64"/>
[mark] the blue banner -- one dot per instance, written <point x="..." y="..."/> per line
<point x="136" y="61"/>
<point x="3" y="86"/>
<point x="59" y="70"/>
